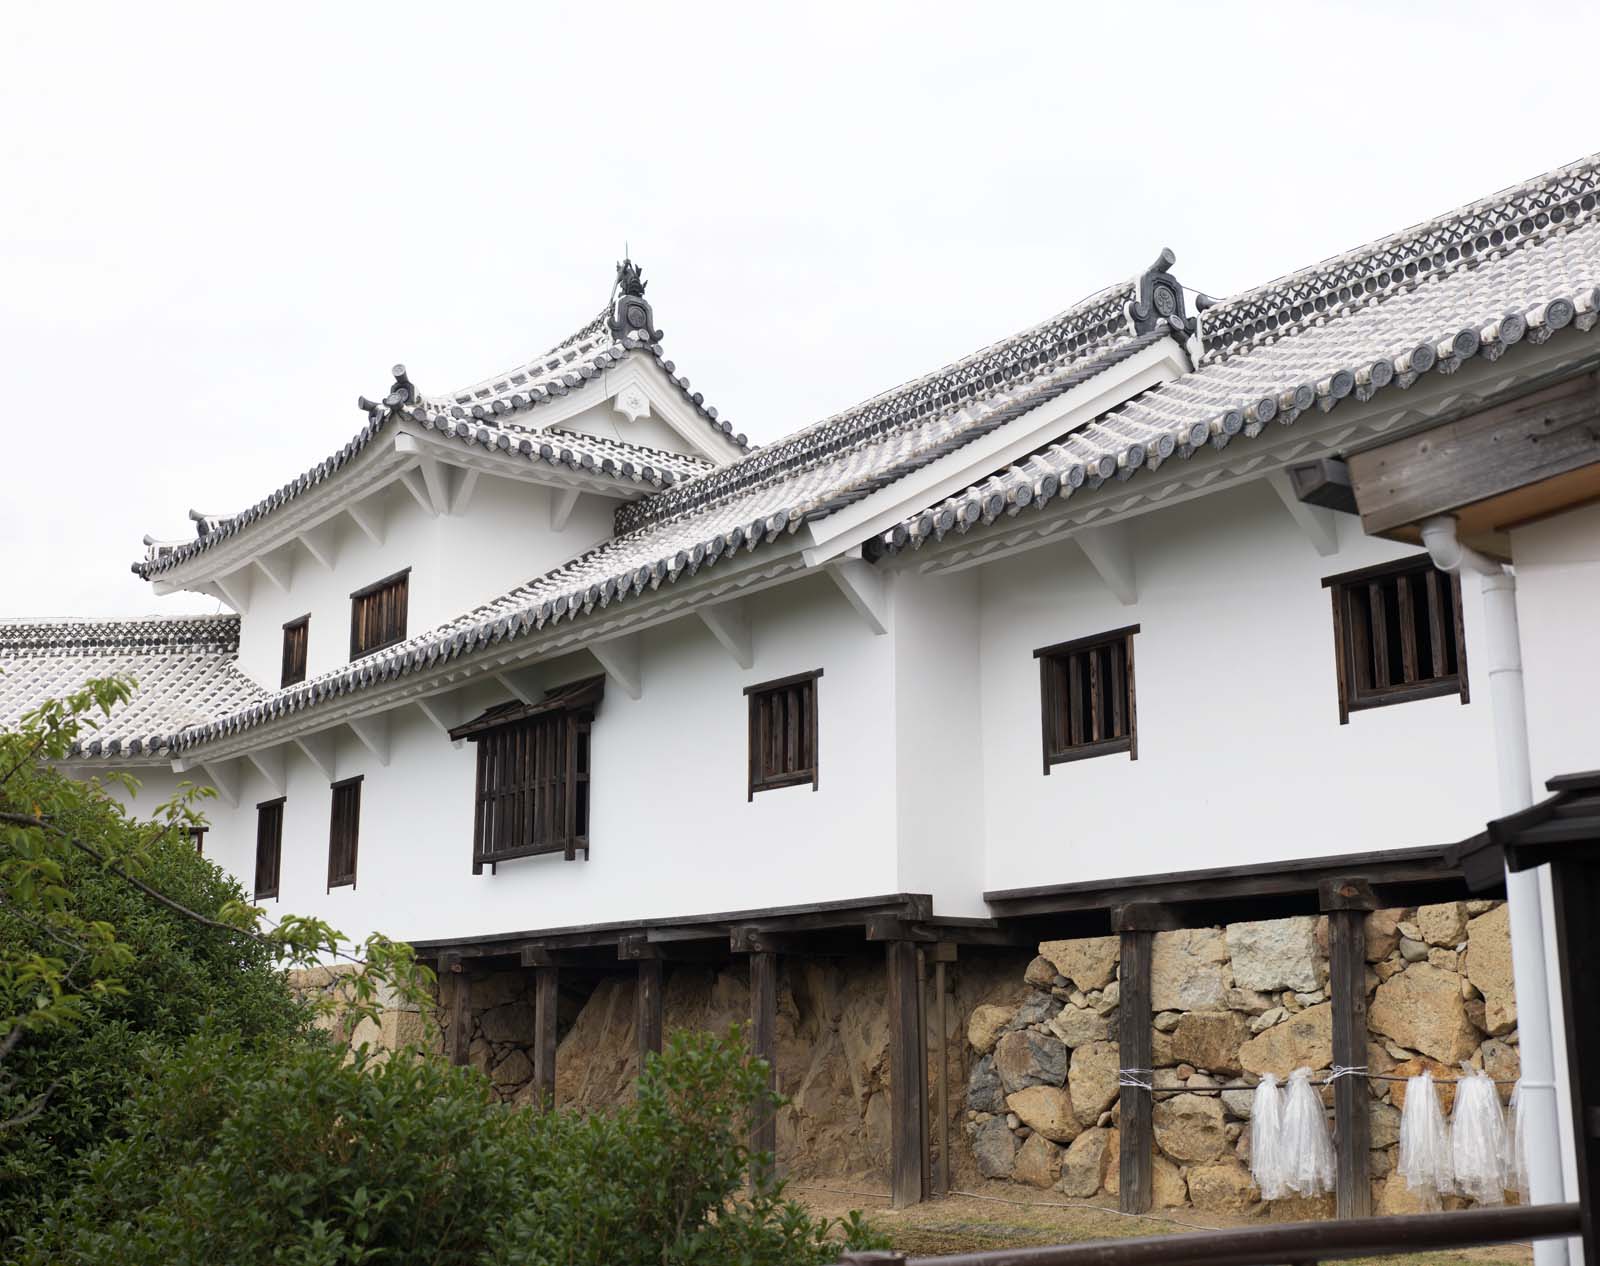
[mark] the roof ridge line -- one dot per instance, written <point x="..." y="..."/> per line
<point x="1484" y="229"/>
<point x="1121" y="310"/>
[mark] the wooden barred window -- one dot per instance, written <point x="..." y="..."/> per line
<point x="783" y="733"/>
<point x="378" y="614"/>
<point x="532" y="794"/>
<point x="269" y="847"/>
<point x="1397" y="635"/>
<point x="197" y="837"/>
<point x="295" y="635"/>
<point x="1086" y="697"/>
<point x="343" y="828"/>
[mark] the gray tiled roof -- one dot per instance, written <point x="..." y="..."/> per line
<point x="1520" y="265"/>
<point x="566" y="367"/>
<point x="490" y="415"/>
<point x="185" y="669"/>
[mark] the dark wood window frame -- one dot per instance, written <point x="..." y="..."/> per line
<point x="390" y="624"/>
<point x="296" y="633"/>
<point x="785" y="710"/>
<point x="269" y="836"/>
<point x="1361" y="599"/>
<point x="197" y="836"/>
<point x="1081" y="715"/>
<point x="344" y="831"/>
<point x="532" y="793"/>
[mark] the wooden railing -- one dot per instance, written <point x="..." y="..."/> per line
<point x="1293" y="1244"/>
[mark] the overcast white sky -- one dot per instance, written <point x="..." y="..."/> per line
<point x="216" y="231"/>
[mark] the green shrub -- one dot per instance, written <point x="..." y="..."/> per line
<point x="236" y="1155"/>
<point x="78" y="1074"/>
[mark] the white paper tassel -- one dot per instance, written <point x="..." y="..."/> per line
<point x="1424" y="1141"/>
<point x="1306" y="1147"/>
<point x="1478" y="1139"/>
<point x="1266" y="1138"/>
<point x="1516" y="1150"/>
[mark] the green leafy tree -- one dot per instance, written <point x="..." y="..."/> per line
<point x="302" y="1156"/>
<point x="116" y="942"/>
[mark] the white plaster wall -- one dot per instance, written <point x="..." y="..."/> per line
<point x="1558" y="609"/>
<point x="457" y="562"/>
<point x="939" y="785"/>
<point x="672" y="830"/>
<point x="1241" y="755"/>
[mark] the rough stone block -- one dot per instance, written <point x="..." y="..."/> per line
<point x="1089" y="962"/>
<point x="1275" y="953"/>
<point x="1423" y="1010"/>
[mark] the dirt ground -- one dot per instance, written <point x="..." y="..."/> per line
<point x="1009" y="1217"/>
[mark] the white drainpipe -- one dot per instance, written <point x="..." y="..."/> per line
<point x="1510" y="718"/>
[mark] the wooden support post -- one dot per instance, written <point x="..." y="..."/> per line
<point x="460" y="1004"/>
<point x="647" y="1009"/>
<point x="764" y="1045"/>
<point x="545" y="979"/>
<point x="1133" y="1051"/>
<point x="908" y="1076"/>
<point x="922" y="1043"/>
<point x="943" y="954"/>
<point x="1575" y="888"/>
<point x="1346" y="903"/>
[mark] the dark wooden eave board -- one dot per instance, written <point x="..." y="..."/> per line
<point x="1259" y="891"/>
<point x="853" y="911"/>
<point x="1563" y="825"/>
<point x="1530" y="438"/>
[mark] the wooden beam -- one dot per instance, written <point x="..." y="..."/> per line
<point x="319" y="750"/>
<point x="224" y="776"/>
<point x="373" y="734"/>
<point x="1110" y="552"/>
<point x="236" y="589"/>
<point x="729" y="623"/>
<point x="322" y="543"/>
<point x="369" y="516"/>
<point x="620" y="659"/>
<point x="1575" y="896"/>
<point x="1487" y="453"/>
<point x="270" y="765"/>
<point x="908" y="1083"/>
<point x="562" y="502"/>
<point x="1347" y="903"/>
<point x="1134" y="1162"/>
<point x="862" y="585"/>
<point x="1320" y="525"/>
<point x="545" y="979"/>
<point x="764" y="1045"/>
<point x="647" y="1009"/>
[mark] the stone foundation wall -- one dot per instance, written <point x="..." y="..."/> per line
<point x="1231" y="1004"/>
<point x="397" y="1024"/>
<point x="832" y="1049"/>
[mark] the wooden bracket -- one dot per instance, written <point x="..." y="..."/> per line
<point x="1346" y="894"/>
<point x="1142" y="916"/>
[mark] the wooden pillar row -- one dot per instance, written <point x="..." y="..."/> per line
<point x="1135" y="1159"/>
<point x="764" y="1045"/>
<point x="1346" y="903"/>
<point x="647" y="1009"/>
<point x="458" y="1000"/>
<point x="546" y="979"/>
<point x="908" y="1077"/>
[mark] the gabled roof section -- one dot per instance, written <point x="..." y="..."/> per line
<point x="494" y="416"/>
<point x="1515" y="267"/>
<point x="624" y="327"/>
<point x="185" y="669"/>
